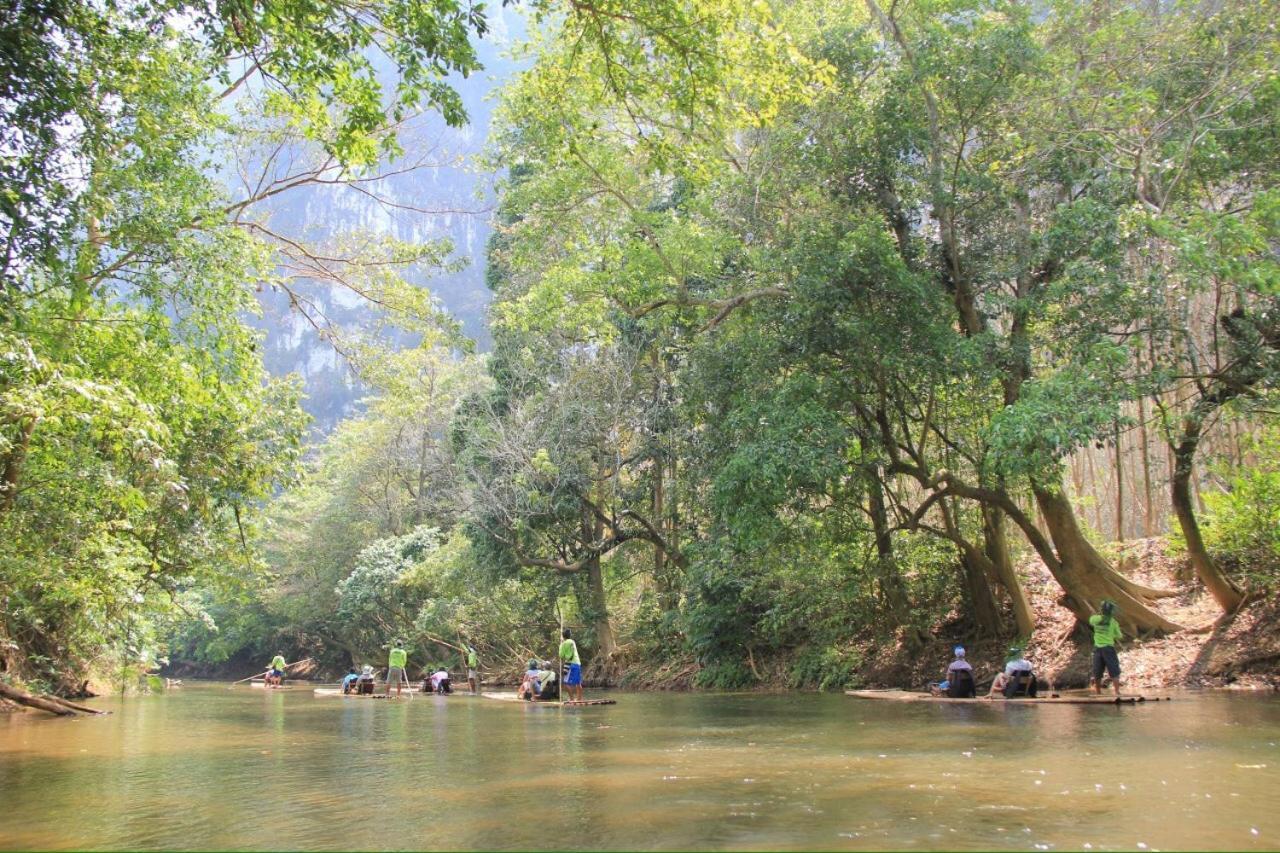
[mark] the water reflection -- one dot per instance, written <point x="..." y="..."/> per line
<point x="208" y="767"/>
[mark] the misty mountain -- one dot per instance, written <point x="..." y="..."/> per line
<point x="448" y="197"/>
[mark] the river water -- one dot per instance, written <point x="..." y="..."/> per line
<point x="207" y="767"/>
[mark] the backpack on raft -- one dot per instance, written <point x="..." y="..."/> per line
<point x="960" y="685"/>
<point x="1021" y="684"/>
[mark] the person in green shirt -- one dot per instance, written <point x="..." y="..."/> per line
<point x="275" y="672"/>
<point x="569" y="656"/>
<point x="1106" y="633"/>
<point x="473" y="668"/>
<point x="395" y="667"/>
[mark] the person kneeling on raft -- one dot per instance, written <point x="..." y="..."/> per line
<point x="440" y="681"/>
<point x="1017" y="678"/>
<point x="349" y="681"/>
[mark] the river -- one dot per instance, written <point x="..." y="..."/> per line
<point x="206" y="767"/>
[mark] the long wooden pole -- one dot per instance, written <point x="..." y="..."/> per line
<point x="250" y="678"/>
<point x="444" y="643"/>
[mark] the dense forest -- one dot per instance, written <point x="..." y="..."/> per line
<point x="812" y="323"/>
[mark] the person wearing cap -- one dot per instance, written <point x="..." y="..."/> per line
<point x="569" y="656"/>
<point x="473" y="669"/>
<point x="1016" y="671"/>
<point x="1106" y="633"/>
<point x="364" y="684"/>
<point x="529" y="686"/>
<point x="547" y="687"/>
<point x="395" y="667"/>
<point x="959" y="682"/>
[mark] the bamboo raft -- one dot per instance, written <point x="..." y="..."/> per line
<point x="569" y="703"/>
<point x="1053" y="699"/>
<point x="337" y="691"/>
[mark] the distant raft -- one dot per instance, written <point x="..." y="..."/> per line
<point x="1052" y="699"/>
<point x="569" y="703"/>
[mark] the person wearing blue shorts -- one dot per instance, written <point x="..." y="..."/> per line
<point x="569" y="656"/>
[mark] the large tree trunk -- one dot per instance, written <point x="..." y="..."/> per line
<point x="1119" y="486"/>
<point x="1086" y="577"/>
<point x="977" y="573"/>
<point x="599" y="606"/>
<point x="1226" y="593"/>
<point x="997" y="551"/>
<point x="893" y="595"/>
<point x="986" y="612"/>
<point x="663" y="565"/>
<point x="1147" y="523"/>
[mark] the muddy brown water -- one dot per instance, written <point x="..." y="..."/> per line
<point x="206" y="767"/>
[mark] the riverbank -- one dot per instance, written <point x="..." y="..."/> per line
<point x="1240" y="651"/>
<point x="1237" y="651"/>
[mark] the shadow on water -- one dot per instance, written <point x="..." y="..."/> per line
<point x="206" y="767"/>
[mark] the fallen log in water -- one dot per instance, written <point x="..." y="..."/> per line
<point x="51" y="704"/>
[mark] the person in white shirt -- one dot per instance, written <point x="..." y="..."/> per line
<point x="1016" y="666"/>
<point x="547" y="688"/>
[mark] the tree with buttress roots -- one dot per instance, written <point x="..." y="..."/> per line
<point x="929" y="158"/>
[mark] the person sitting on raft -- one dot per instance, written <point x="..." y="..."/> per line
<point x="529" y="686"/>
<point x="440" y="681"/>
<point x="1017" y="677"/>
<point x="349" y="681"/>
<point x="959" y="680"/>
<point x="364" y="684"/>
<point x="275" y="672"/>
<point x="548" y="688"/>
<point x="1106" y="633"/>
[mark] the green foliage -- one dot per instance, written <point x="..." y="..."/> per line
<point x="721" y="620"/>
<point x="785" y="297"/>
<point x="1058" y="415"/>
<point x="139" y="463"/>
<point x="1242" y="524"/>
<point x="826" y="668"/>
<point x="372" y="601"/>
<point x="139" y="435"/>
